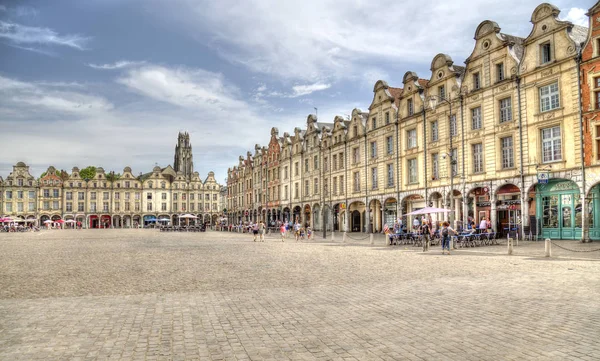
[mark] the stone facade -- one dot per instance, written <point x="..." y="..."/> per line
<point x="115" y="201"/>
<point x="470" y="138"/>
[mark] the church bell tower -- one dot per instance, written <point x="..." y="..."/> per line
<point x="183" y="155"/>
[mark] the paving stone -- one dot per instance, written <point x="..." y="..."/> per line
<point x="145" y="295"/>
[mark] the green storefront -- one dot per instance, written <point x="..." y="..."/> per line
<point x="558" y="209"/>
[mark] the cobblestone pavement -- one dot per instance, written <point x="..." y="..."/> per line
<point x="145" y="295"/>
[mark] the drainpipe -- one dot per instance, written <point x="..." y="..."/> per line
<point x="398" y="205"/>
<point x="347" y="220"/>
<point x="465" y="217"/>
<point x="585" y="235"/>
<point x="524" y="212"/>
<point x="425" y="154"/>
<point x="367" y="207"/>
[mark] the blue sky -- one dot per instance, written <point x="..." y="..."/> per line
<point x="110" y="83"/>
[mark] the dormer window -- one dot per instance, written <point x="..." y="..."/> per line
<point x="500" y="71"/>
<point x="442" y="91"/>
<point x="545" y="53"/>
<point x="409" y="106"/>
<point x="374" y="123"/>
<point x="387" y="118"/>
<point x="476" y="81"/>
<point x="355" y="130"/>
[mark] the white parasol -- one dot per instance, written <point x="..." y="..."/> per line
<point x="427" y="210"/>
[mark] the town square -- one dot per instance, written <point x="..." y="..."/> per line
<point x="148" y="295"/>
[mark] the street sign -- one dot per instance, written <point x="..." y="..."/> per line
<point x="543" y="177"/>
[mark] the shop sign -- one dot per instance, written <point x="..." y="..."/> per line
<point x="483" y="204"/>
<point x="543" y="177"/>
<point x="564" y="186"/>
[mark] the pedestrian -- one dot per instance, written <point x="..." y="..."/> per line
<point x="308" y="232"/>
<point x="426" y="232"/>
<point x="482" y="225"/>
<point x="297" y="230"/>
<point x="282" y="230"/>
<point x="446" y="236"/>
<point x="261" y="230"/>
<point x="254" y="230"/>
<point x="416" y="224"/>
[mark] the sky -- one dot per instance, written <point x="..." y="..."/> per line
<point x="110" y="83"/>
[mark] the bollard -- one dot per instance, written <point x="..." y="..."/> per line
<point x="388" y="241"/>
<point x="548" y="248"/>
<point x="371" y="239"/>
<point x="510" y="245"/>
<point x="332" y="236"/>
<point x="344" y="238"/>
<point x="517" y="239"/>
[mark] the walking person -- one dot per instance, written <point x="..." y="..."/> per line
<point x="426" y="232"/>
<point x="254" y="230"/>
<point x="282" y="230"/>
<point x="297" y="230"/>
<point x="446" y="235"/>
<point x="261" y="230"/>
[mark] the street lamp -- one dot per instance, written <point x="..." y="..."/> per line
<point x="433" y="101"/>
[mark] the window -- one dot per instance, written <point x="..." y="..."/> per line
<point x="453" y="127"/>
<point x="335" y="186"/>
<point x="55" y="193"/>
<point x="412" y="170"/>
<point x="8" y="194"/>
<point x="374" y="178"/>
<point x="341" y="160"/>
<point x="435" y="166"/>
<point x="476" y="118"/>
<point x="316" y="186"/>
<point x="32" y="194"/>
<point x="47" y="194"/>
<point x="92" y="195"/>
<point x="476" y="83"/>
<point x="31" y="206"/>
<point x="387" y="118"/>
<point x="342" y="184"/>
<point x="355" y="130"/>
<point x="597" y="92"/>
<point x="355" y="155"/>
<point x="507" y="152"/>
<point x="356" y="184"/>
<point x="374" y="123"/>
<point x="500" y="72"/>
<point x="505" y="110"/>
<point x="453" y="162"/>
<point x="551" y="144"/>
<point x="55" y="205"/>
<point x="149" y="196"/>
<point x="306" y="165"/>
<point x="597" y="142"/>
<point x="149" y="207"/>
<point x="325" y="164"/>
<point x="296" y="168"/>
<point x="411" y="138"/>
<point x="409" y="107"/>
<point x="390" y="175"/>
<point x="334" y="162"/>
<point x="286" y="192"/>
<point x="316" y="162"/>
<point x="477" y="150"/>
<point x="92" y="206"/>
<point x="20" y="207"/>
<point x="545" y="53"/>
<point x="105" y="195"/>
<point x="549" y="97"/>
<point x="442" y="91"/>
<point x="434" y="131"/>
<point x="20" y="182"/>
<point x="105" y="206"/>
<point x="390" y="144"/>
<point x="373" y="149"/>
<point x="285" y="172"/>
<point x="8" y="207"/>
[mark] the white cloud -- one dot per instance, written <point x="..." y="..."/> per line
<point x="577" y="16"/>
<point x="2" y="8"/>
<point x="328" y="40"/>
<point x="22" y="34"/>
<point x="117" y="65"/>
<point x="300" y="90"/>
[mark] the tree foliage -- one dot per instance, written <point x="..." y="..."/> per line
<point x="88" y="173"/>
<point x="113" y="176"/>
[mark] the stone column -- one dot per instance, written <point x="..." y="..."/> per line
<point x="383" y="219"/>
<point x="457" y="217"/>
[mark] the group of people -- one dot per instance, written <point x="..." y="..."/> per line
<point x="426" y="229"/>
<point x="259" y="229"/>
<point x="16" y="227"/>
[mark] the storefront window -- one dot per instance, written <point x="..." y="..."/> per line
<point x="566" y="216"/>
<point x="590" y="209"/>
<point x="578" y="210"/>
<point x="550" y="204"/>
